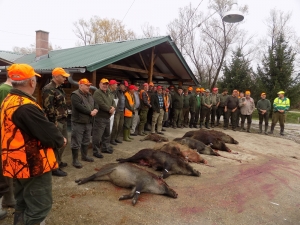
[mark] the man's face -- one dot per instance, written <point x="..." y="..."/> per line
<point x="198" y="92"/>
<point x="159" y="91"/>
<point x="186" y="93"/>
<point x="113" y="87"/>
<point x="281" y="95"/>
<point x="180" y="91"/>
<point x="248" y="96"/>
<point x="234" y="93"/>
<point x="122" y="87"/>
<point x="85" y="88"/>
<point x="155" y="89"/>
<point x="225" y="92"/>
<point x="150" y="88"/>
<point x="132" y="91"/>
<point x="146" y="87"/>
<point x="263" y="96"/>
<point x="206" y="93"/>
<point x="242" y="95"/>
<point x="103" y="86"/>
<point x="171" y="89"/>
<point x="215" y="91"/>
<point x="59" y="79"/>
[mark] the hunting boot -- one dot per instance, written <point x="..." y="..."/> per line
<point x="260" y="129"/>
<point x="75" y="162"/>
<point x="8" y="199"/>
<point x="218" y="122"/>
<point x="243" y="126"/>
<point x="3" y="214"/>
<point x="272" y="129"/>
<point x="282" y="130"/>
<point x="266" y="129"/>
<point x="84" y="156"/>
<point x="201" y="124"/>
<point x="206" y="125"/>
<point x="212" y="125"/>
<point x="248" y="127"/>
<point x="125" y="135"/>
<point x="18" y="218"/>
<point x="141" y="133"/>
<point x="129" y="135"/>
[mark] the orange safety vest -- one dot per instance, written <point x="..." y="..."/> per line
<point x="20" y="158"/>
<point x="141" y="95"/>
<point x="127" y="112"/>
<point x="166" y="100"/>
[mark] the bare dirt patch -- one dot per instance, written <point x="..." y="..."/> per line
<point x="262" y="189"/>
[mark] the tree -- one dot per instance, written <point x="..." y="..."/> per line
<point x="150" y="31"/>
<point x="98" y="30"/>
<point x="32" y="48"/>
<point x="205" y="39"/>
<point x="277" y="70"/>
<point x="237" y="75"/>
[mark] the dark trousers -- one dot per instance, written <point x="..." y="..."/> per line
<point x="238" y="116"/>
<point x="4" y="187"/>
<point x="264" y="117"/>
<point x="221" y="112"/>
<point x="205" y="113"/>
<point x="143" y="118"/>
<point x="34" y="197"/>
<point x="80" y="135"/>
<point x="232" y="116"/>
<point x="177" y="117"/>
<point x="248" y="117"/>
<point x="192" y="119"/>
<point x="213" y="114"/>
<point x="101" y="134"/>
<point x="197" y="115"/>
<point x="63" y="128"/>
<point x="127" y="122"/>
<point x="117" y="126"/>
<point x="278" y="116"/>
<point x="185" y="115"/>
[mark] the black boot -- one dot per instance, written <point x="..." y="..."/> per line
<point x="18" y="218"/>
<point x="84" y="156"/>
<point x="206" y="125"/>
<point x="8" y="199"/>
<point x="75" y="162"/>
<point x="266" y="129"/>
<point x="218" y="122"/>
<point x="260" y="129"/>
<point x="272" y="129"/>
<point x="243" y="126"/>
<point x="248" y="127"/>
<point x="201" y="124"/>
<point x="282" y="131"/>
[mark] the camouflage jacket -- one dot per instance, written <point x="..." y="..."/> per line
<point x="54" y="102"/>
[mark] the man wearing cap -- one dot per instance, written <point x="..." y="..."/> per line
<point x="263" y="107"/>
<point x="6" y="184"/>
<point x="186" y="108"/>
<point x="136" y="117"/>
<point x="83" y="112"/>
<point x="177" y="105"/>
<point x="281" y="105"/>
<point x="206" y="102"/>
<point x="221" y="106"/>
<point x="28" y="140"/>
<point x="247" y="107"/>
<point x="128" y="112"/>
<point x="101" y="127"/>
<point x="231" y="105"/>
<point x="157" y="102"/>
<point x="190" y="90"/>
<point x="119" y="115"/>
<point x="167" y="103"/>
<point x="55" y="107"/>
<point x="145" y="106"/>
<point x="215" y="98"/>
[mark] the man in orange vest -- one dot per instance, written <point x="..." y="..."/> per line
<point x="28" y="139"/>
<point x="128" y="112"/>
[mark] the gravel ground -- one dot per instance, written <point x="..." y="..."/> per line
<point x="262" y="189"/>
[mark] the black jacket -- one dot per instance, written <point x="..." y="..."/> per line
<point x="155" y="103"/>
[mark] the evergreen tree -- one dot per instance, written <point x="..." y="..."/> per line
<point x="277" y="70"/>
<point x="237" y="75"/>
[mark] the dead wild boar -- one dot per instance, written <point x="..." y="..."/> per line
<point x="130" y="176"/>
<point x="155" y="138"/>
<point x="224" y="137"/>
<point x="164" y="161"/>
<point x="207" y="138"/>
<point x="193" y="156"/>
<point x="172" y="149"/>
<point x="198" y="145"/>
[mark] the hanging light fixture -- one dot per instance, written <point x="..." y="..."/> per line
<point x="234" y="15"/>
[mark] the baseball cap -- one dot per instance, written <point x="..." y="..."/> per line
<point x="125" y="83"/>
<point x="247" y="92"/>
<point x="131" y="87"/>
<point x="111" y="82"/>
<point x="20" y="72"/>
<point x="104" y="80"/>
<point x="190" y="88"/>
<point x="136" y="88"/>
<point x="84" y="81"/>
<point x="207" y="90"/>
<point x="263" y="94"/>
<point x="159" y="87"/>
<point x="60" y="71"/>
<point x="280" y="92"/>
<point x="198" y="89"/>
<point x="215" y="89"/>
<point x="167" y="90"/>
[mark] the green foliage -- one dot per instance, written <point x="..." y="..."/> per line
<point x="237" y="75"/>
<point x="276" y="72"/>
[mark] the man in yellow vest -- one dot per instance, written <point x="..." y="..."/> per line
<point x="280" y="106"/>
<point x="128" y="112"/>
<point x="28" y="139"/>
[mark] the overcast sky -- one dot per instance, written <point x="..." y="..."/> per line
<point x="20" y="19"/>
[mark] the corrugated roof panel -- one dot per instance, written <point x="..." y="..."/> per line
<point x="10" y="56"/>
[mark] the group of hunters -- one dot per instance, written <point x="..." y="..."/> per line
<point x="33" y="137"/>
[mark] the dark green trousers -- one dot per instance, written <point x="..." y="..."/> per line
<point x="34" y="197"/>
<point x="63" y="128"/>
<point x="127" y="122"/>
<point x="278" y="116"/>
<point x="177" y="117"/>
<point x="143" y="118"/>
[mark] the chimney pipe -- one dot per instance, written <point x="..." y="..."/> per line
<point x="42" y="43"/>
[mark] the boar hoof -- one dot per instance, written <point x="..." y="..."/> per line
<point x="78" y="181"/>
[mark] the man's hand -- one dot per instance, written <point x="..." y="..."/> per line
<point x="234" y="110"/>
<point x="94" y="112"/>
<point x="225" y="110"/>
<point x="112" y="110"/>
<point x="65" y="142"/>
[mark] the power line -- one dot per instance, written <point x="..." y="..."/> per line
<point x="128" y="10"/>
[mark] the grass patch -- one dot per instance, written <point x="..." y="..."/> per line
<point x="291" y="117"/>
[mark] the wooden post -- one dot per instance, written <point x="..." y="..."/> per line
<point x="180" y="83"/>
<point x="94" y="78"/>
<point x="150" y="70"/>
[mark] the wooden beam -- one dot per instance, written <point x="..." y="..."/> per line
<point x="94" y="78"/>
<point x="141" y="57"/>
<point x="150" y="70"/>
<point x="118" y="67"/>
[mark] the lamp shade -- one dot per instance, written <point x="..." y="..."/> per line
<point x="233" y="16"/>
